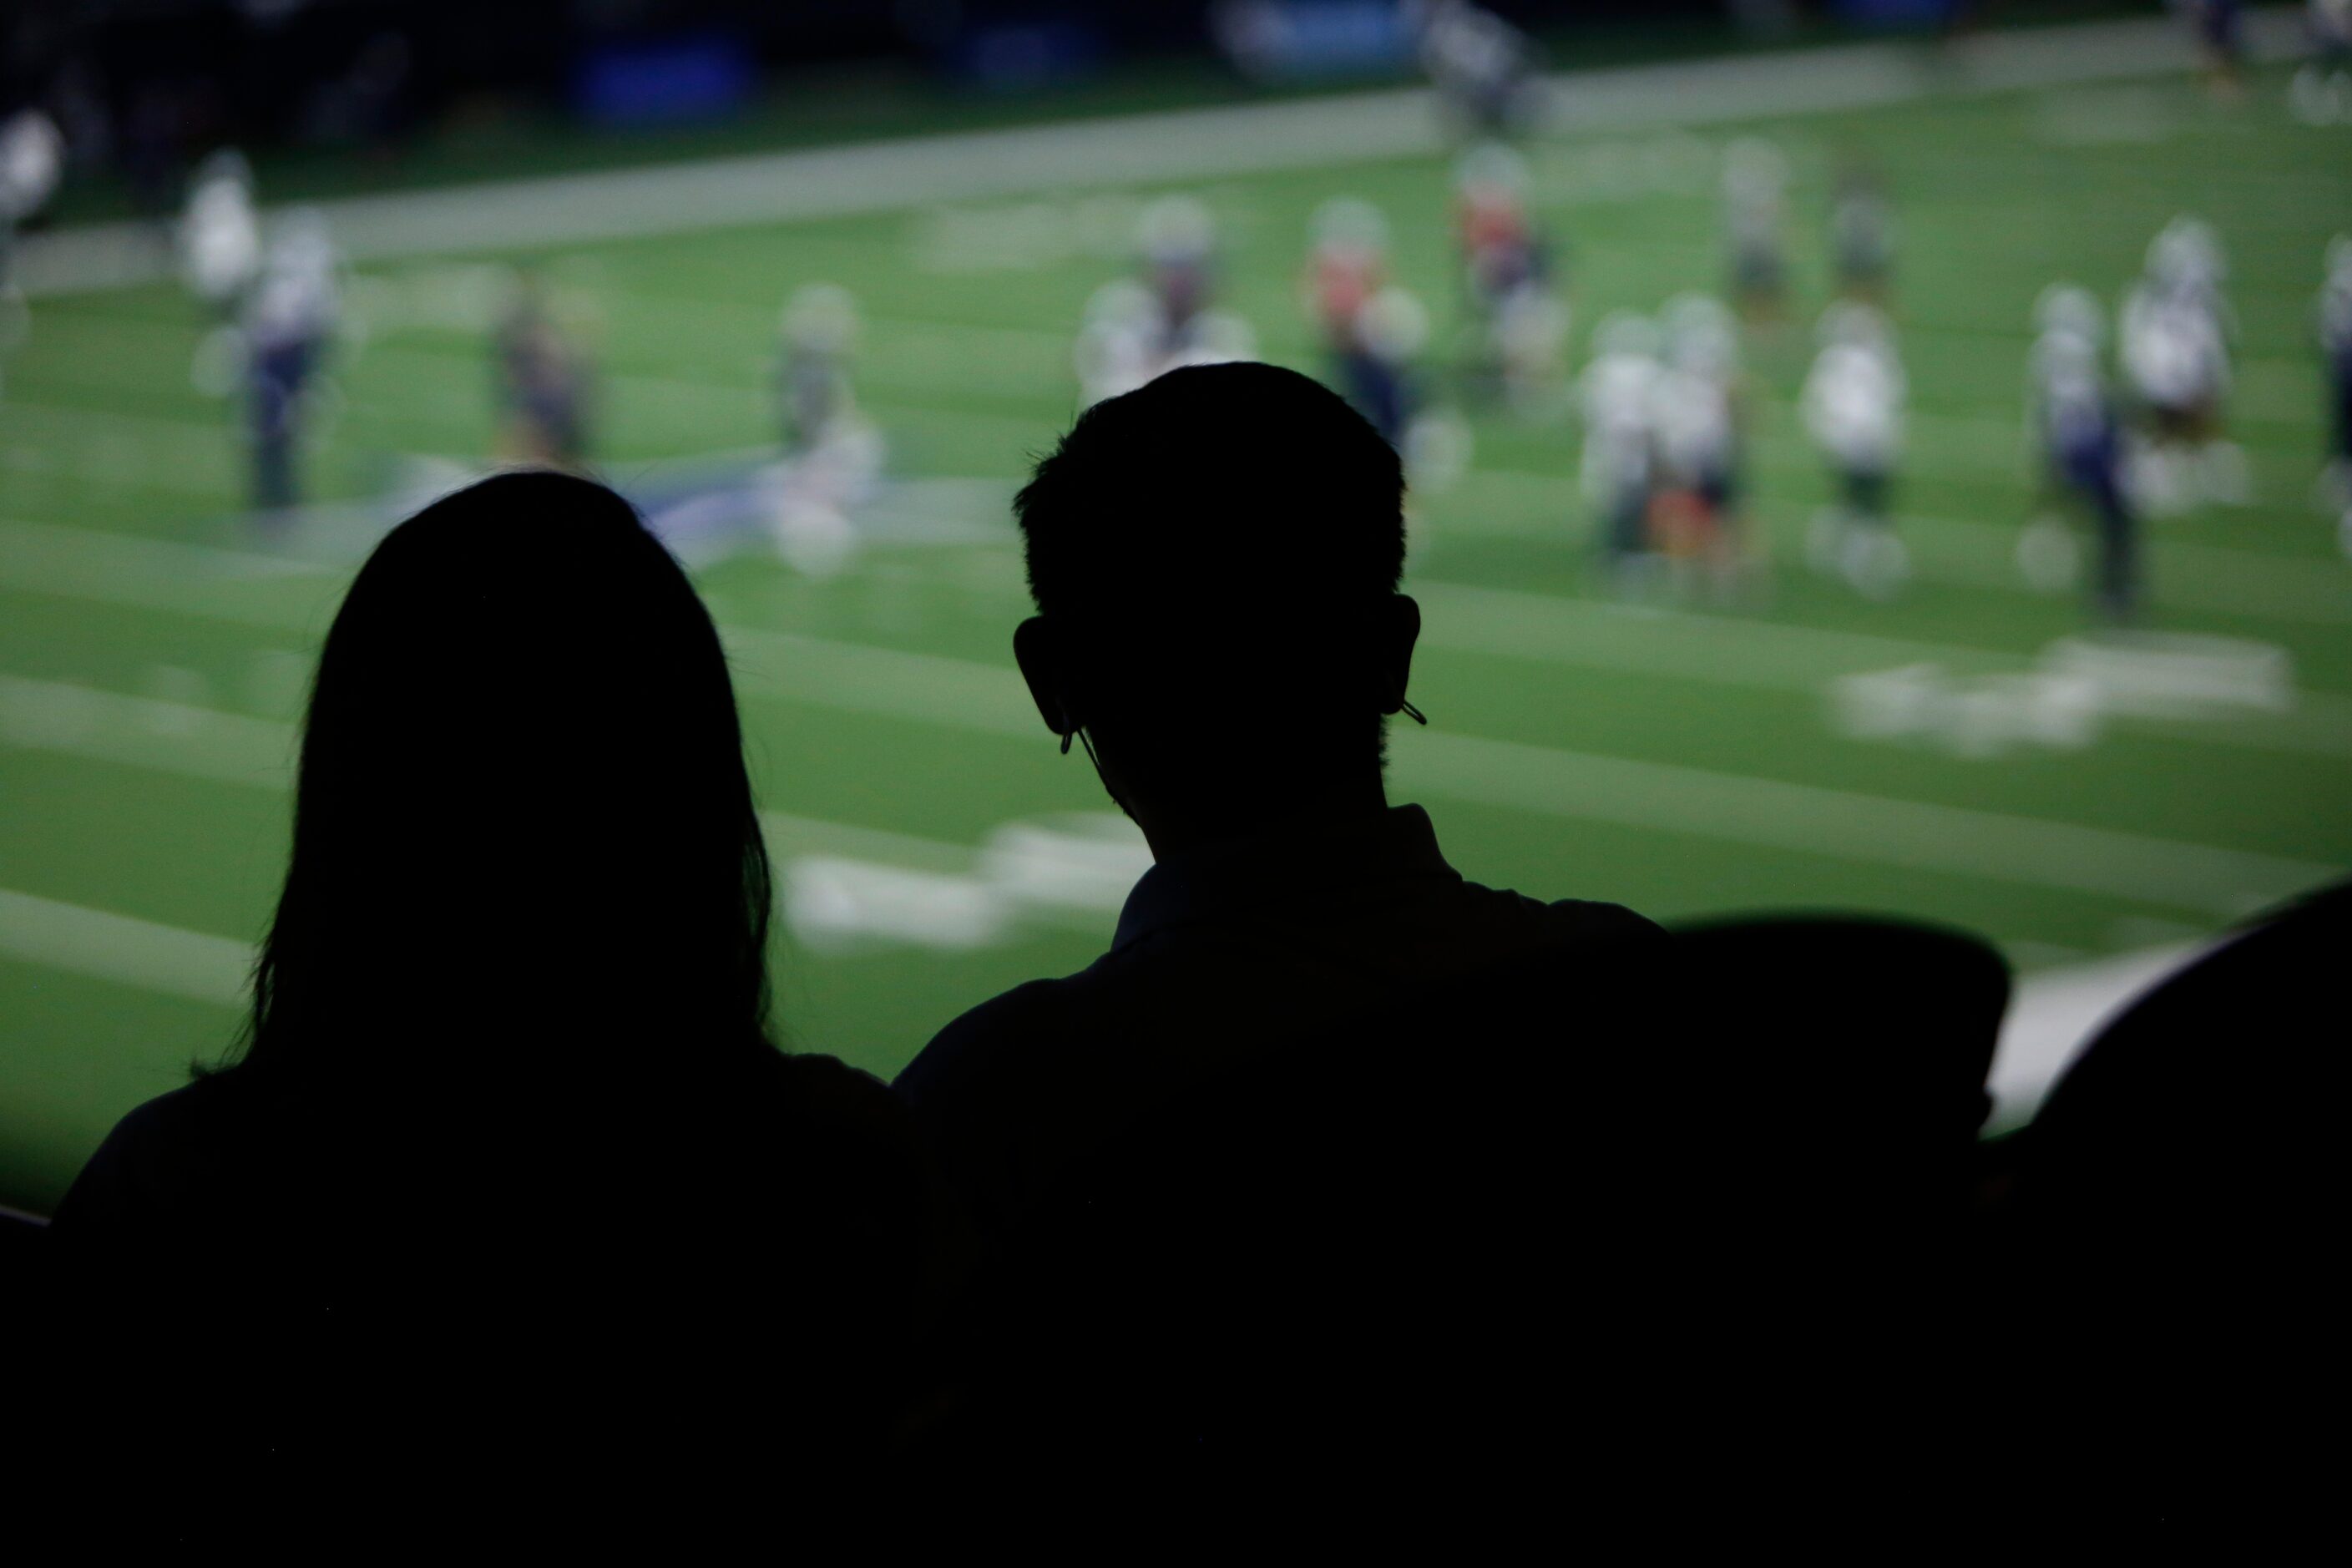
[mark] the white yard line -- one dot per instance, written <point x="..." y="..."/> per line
<point x="1543" y="781"/>
<point x="1143" y="149"/>
<point x="245" y="588"/>
<point x="160" y="958"/>
<point x="1845" y="824"/>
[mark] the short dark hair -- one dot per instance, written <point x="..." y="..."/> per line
<point x="1126" y="510"/>
<point x="1224" y="528"/>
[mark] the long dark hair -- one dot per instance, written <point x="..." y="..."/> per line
<point x="523" y="827"/>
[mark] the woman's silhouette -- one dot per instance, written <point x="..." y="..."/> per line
<point x="506" y="1164"/>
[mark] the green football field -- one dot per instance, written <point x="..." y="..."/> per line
<point x="1937" y="755"/>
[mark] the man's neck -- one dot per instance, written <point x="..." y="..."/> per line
<point x="1280" y="815"/>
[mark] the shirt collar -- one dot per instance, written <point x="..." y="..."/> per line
<point x="1307" y="868"/>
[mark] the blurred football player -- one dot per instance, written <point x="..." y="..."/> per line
<point x="1347" y="266"/>
<point x="817" y="336"/>
<point x="1695" y="509"/>
<point x="1854" y="403"/>
<point x="289" y="316"/>
<point x="220" y="235"/>
<point x="32" y="160"/>
<point x="1503" y="266"/>
<point x="1526" y="338"/>
<point x="1491" y="219"/>
<point x="2220" y="44"/>
<point x="2081" y="440"/>
<point x="2335" y="343"/>
<point x="1862" y="234"/>
<point x="1378" y="374"/>
<point x="1482" y="68"/>
<point x="543" y="382"/>
<point x="2175" y="343"/>
<point x="1755" y="204"/>
<point x="2321" y="94"/>
<point x="1178" y="239"/>
<point x="1118" y="349"/>
<point x="1619" y="394"/>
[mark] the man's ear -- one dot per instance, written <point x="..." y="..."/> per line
<point x="1398" y="629"/>
<point x="1038" y="651"/>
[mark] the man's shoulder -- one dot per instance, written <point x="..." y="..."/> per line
<point x="1581" y="919"/>
<point x="981" y="1044"/>
<point x="1512" y="920"/>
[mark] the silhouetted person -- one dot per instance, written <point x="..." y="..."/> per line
<point x="508" y="1184"/>
<point x="2176" y="1206"/>
<point x="1236" y="710"/>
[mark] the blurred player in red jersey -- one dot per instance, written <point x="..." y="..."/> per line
<point x="1505" y="283"/>
<point x="1346" y="268"/>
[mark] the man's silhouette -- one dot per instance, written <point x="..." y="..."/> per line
<point x="1214" y="559"/>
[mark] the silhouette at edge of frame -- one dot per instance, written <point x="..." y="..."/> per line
<point x="506" y="1187"/>
<point x="2167" y="1213"/>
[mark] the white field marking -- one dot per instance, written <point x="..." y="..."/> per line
<point x="1542" y="781"/>
<point x="1844" y="825"/>
<point x="2056" y="1012"/>
<point x="160" y="958"/>
<point x="789" y="836"/>
<point x="1143" y="149"/>
<point x="206" y="743"/>
<point x="835" y="905"/>
<point x="837" y="881"/>
<point x="146" y="732"/>
<point x="241" y="587"/>
<point x="1979" y="717"/>
<point x="1771" y="656"/>
<point x="957" y="693"/>
<point x="1071" y="872"/>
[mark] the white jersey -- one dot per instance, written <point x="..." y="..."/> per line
<point x="1853" y="405"/>
<point x="297" y="297"/>
<point x="1530" y="329"/>
<point x="1690" y="416"/>
<point x="2070" y="398"/>
<point x="1114" y="356"/>
<point x="1620" y="397"/>
<point x="220" y="241"/>
<point x="2173" y="347"/>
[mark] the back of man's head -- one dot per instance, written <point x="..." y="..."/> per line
<point x="1217" y="553"/>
